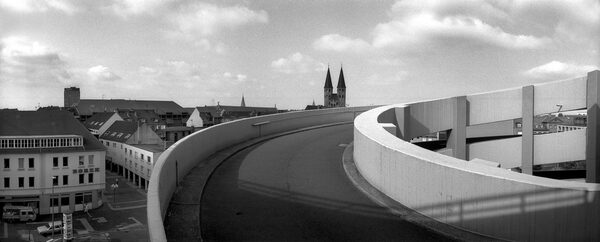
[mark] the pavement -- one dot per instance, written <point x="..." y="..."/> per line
<point x="122" y="217"/>
<point x="292" y="187"/>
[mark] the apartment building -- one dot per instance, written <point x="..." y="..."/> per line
<point x="50" y="162"/>
<point x="132" y="150"/>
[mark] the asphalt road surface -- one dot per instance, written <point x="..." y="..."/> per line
<point x="294" y="188"/>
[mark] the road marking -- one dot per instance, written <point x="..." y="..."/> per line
<point x="39" y="222"/>
<point x="86" y="224"/>
<point x="125" y="208"/>
<point x="137" y="221"/>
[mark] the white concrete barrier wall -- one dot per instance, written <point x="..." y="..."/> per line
<point x="189" y="151"/>
<point x="479" y="198"/>
<point x="548" y="149"/>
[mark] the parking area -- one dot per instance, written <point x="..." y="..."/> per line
<point x="122" y="217"/>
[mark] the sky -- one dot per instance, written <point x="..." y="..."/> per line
<point x="200" y="53"/>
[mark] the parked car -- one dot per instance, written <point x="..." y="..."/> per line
<point x="48" y="228"/>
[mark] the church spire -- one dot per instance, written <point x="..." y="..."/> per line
<point x="341" y="81"/>
<point x="328" y="80"/>
<point x="243" y="101"/>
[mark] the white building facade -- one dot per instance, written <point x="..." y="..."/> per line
<point x="53" y="173"/>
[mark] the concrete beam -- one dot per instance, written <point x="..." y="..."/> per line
<point x="458" y="136"/>
<point x="402" y="120"/>
<point x="593" y="128"/>
<point x="527" y="130"/>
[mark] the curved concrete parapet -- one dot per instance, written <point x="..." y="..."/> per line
<point x="471" y="195"/>
<point x="181" y="157"/>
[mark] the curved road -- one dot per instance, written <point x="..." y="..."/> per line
<point x="294" y="188"/>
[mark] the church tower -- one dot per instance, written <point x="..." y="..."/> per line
<point x="328" y="90"/>
<point x="341" y="89"/>
<point x="243" y="104"/>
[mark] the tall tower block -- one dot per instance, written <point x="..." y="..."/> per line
<point x="328" y="90"/>
<point x="341" y="89"/>
<point x="72" y="96"/>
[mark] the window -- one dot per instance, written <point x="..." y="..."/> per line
<point x="21" y="181"/>
<point x="64" y="200"/>
<point x="31" y="162"/>
<point x="54" y="201"/>
<point x="21" y="163"/>
<point x="6" y="163"/>
<point x="81" y="160"/>
<point x="81" y="178"/>
<point x="54" y="181"/>
<point x="91" y="159"/>
<point x="107" y="143"/>
<point x="114" y="145"/>
<point x="78" y="198"/>
<point x="142" y="155"/>
<point x="65" y="180"/>
<point x="90" y="177"/>
<point x="125" y="150"/>
<point x="130" y="152"/>
<point x="149" y="160"/>
<point x="7" y="182"/>
<point x="31" y="181"/>
<point x="65" y="161"/>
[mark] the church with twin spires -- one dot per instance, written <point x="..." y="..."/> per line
<point x="333" y="100"/>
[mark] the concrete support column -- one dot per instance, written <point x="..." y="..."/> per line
<point x="458" y="136"/>
<point x="402" y="120"/>
<point x="527" y="130"/>
<point x="592" y="164"/>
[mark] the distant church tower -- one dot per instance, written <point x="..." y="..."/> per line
<point x="331" y="99"/>
<point x="328" y="90"/>
<point x="243" y="104"/>
<point x="341" y="89"/>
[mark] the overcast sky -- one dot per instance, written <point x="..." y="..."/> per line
<point x="276" y="52"/>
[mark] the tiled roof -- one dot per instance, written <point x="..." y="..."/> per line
<point x="120" y="131"/>
<point x="45" y="122"/>
<point x="341" y="81"/>
<point x="328" y="80"/>
<point x="97" y="120"/>
<point x="91" y="106"/>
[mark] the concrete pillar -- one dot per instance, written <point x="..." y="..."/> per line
<point x="592" y="174"/>
<point x="402" y="120"/>
<point x="458" y="136"/>
<point x="527" y="130"/>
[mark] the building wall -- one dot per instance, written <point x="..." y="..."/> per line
<point x="42" y="173"/>
<point x="195" y="120"/>
<point x="131" y="158"/>
<point x="71" y="96"/>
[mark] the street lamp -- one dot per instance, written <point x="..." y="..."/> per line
<point x="51" y="204"/>
<point x="114" y="187"/>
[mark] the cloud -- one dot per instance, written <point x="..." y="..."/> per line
<point x="35" y="6"/>
<point x="297" y="63"/>
<point x="426" y="28"/>
<point x="30" y="61"/>
<point x="556" y="70"/>
<point x="205" y="19"/>
<point x="336" y="42"/>
<point x="127" y="8"/>
<point x="101" y="73"/>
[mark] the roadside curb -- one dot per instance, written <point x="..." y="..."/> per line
<point x="402" y="211"/>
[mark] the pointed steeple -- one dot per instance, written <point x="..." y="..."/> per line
<point x="313" y="102"/>
<point x="341" y="81"/>
<point x="328" y="80"/>
<point x="243" y="101"/>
